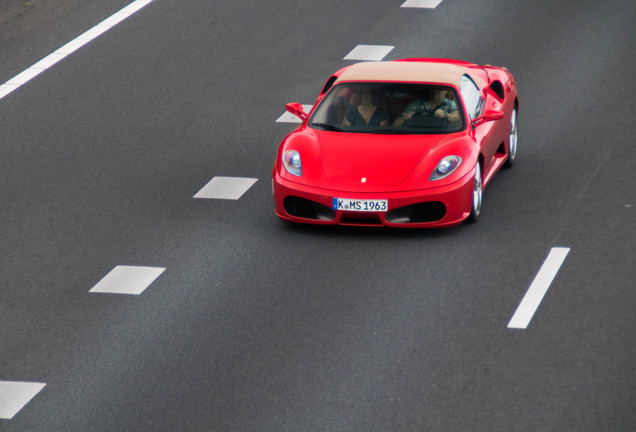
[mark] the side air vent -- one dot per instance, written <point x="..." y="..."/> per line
<point x="497" y="88"/>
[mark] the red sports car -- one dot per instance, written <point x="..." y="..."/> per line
<point x="406" y="143"/>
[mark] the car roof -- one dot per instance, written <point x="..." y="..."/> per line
<point x="410" y="70"/>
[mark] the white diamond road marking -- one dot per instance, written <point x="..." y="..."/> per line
<point x="426" y="4"/>
<point x="539" y="287"/>
<point x="14" y="395"/>
<point x="369" y="52"/>
<point x="228" y="188"/>
<point x="288" y="117"/>
<point x="39" y="67"/>
<point x="127" y="280"/>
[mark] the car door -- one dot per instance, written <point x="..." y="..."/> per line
<point x="485" y="134"/>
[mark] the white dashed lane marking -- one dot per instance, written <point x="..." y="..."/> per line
<point x="539" y="287"/>
<point x="288" y="117"/>
<point x="229" y="188"/>
<point x="14" y="395"/>
<point x="426" y="4"/>
<point x="39" y="67"/>
<point x="369" y="52"/>
<point x="127" y="280"/>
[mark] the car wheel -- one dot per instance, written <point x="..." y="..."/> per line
<point x="512" y="140"/>
<point x="475" y="204"/>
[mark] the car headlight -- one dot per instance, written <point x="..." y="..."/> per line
<point x="446" y="167"/>
<point x="291" y="162"/>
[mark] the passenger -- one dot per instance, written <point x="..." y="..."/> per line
<point x="367" y="113"/>
<point x="435" y="104"/>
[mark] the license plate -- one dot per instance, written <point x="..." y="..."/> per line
<point x="346" y="204"/>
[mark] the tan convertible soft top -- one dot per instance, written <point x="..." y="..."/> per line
<point x="404" y="71"/>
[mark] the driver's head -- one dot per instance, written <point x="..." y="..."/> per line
<point x="438" y="94"/>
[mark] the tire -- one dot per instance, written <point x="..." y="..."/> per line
<point x="512" y="140"/>
<point x="475" y="202"/>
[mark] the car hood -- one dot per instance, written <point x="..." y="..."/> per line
<point x="372" y="159"/>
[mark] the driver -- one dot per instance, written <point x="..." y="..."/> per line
<point x="435" y="104"/>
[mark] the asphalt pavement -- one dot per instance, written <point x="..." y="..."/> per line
<point x="253" y="324"/>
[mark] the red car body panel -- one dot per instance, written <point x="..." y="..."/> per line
<point x="396" y="167"/>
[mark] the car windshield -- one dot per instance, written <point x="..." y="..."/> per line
<point x="389" y="108"/>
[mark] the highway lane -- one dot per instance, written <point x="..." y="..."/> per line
<point x="259" y="325"/>
<point x="30" y="30"/>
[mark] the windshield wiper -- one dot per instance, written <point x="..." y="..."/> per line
<point x="327" y="126"/>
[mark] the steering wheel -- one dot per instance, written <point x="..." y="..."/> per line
<point x="428" y="120"/>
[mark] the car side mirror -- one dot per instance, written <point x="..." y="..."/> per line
<point x="489" y="115"/>
<point x="297" y="109"/>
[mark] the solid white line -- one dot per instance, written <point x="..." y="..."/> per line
<point x="42" y="65"/>
<point x="48" y="61"/>
<point x="24" y="77"/>
<point x="539" y="287"/>
<point x="5" y="89"/>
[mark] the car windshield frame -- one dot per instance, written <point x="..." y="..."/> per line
<point x="342" y="101"/>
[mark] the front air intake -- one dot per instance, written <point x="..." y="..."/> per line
<point x="432" y="211"/>
<point x="307" y="209"/>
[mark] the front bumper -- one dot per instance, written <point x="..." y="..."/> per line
<point x="433" y="207"/>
